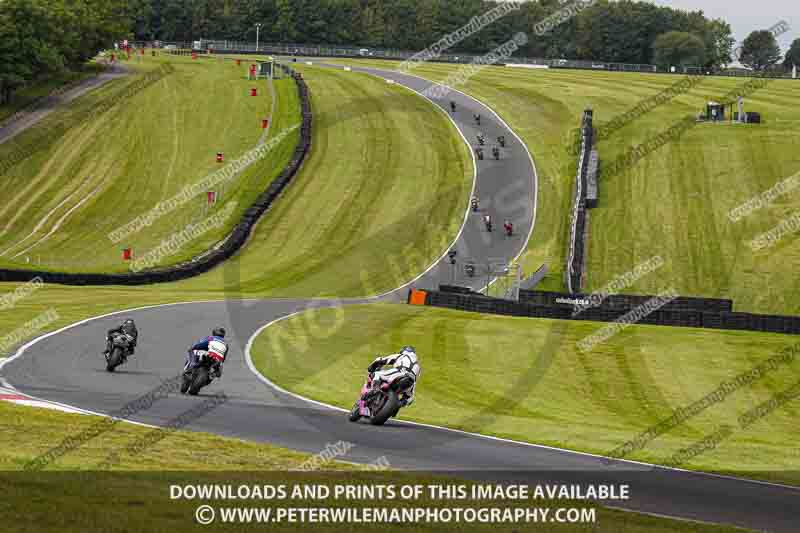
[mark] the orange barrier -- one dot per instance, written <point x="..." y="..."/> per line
<point x="417" y="297"/>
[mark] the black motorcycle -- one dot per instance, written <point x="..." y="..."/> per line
<point x="206" y="369"/>
<point x="475" y="205"/>
<point x="119" y="348"/>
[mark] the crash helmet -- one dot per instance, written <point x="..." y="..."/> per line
<point x="129" y="326"/>
<point x="218" y="332"/>
<point x="408" y="350"/>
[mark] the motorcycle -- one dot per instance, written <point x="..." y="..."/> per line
<point x="205" y="371"/>
<point x="474" y="205"/>
<point x="509" y="229"/>
<point x="119" y="347"/>
<point x="488" y="224"/>
<point x="381" y="397"/>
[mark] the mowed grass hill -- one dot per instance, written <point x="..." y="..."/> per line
<point x="146" y="141"/>
<point x="675" y="202"/>
<point x="387" y="174"/>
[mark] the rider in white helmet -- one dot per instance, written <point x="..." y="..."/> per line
<point x="405" y="361"/>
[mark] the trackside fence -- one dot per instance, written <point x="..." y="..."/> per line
<point x="220" y="46"/>
<point x="219" y="253"/>
<point x="683" y="312"/>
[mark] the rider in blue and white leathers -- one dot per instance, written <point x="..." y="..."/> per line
<point x="214" y="345"/>
<point x="405" y="362"/>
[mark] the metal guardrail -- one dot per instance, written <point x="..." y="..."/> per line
<point x="575" y="255"/>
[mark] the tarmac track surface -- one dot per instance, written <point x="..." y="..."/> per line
<point x="66" y="367"/>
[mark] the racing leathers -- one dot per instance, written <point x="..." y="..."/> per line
<point x="406" y="363"/>
<point x="214" y="347"/>
<point x="127" y="328"/>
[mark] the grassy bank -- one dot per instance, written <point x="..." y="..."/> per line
<point x="529" y="381"/>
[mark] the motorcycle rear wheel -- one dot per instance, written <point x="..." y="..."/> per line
<point x="199" y="380"/>
<point x="387" y="410"/>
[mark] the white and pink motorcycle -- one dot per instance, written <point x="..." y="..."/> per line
<point x="382" y="396"/>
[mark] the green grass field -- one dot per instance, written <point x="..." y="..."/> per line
<point x="72" y="494"/>
<point x="526" y="379"/>
<point x="107" y="169"/>
<point x="675" y="202"/>
<point x="380" y="197"/>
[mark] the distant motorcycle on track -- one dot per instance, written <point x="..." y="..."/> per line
<point x="381" y="398"/>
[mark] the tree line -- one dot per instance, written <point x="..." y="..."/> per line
<point x="40" y="38"/>
<point x="623" y="31"/>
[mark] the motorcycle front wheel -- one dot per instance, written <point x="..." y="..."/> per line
<point x="355" y="413"/>
<point x="186" y="383"/>
<point x="114" y="359"/>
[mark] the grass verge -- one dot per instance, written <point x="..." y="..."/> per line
<point x="526" y="379"/>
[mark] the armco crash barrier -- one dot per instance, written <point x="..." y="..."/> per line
<point x="576" y="259"/>
<point x="684" y="312"/>
<point x="208" y="260"/>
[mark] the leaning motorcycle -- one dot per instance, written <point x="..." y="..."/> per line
<point x="382" y="397"/>
<point x="119" y="347"/>
<point x="203" y="373"/>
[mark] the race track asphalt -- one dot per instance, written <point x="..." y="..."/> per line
<point x="66" y="367"/>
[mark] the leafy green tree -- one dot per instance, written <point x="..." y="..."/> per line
<point x="760" y="50"/>
<point x="677" y="48"/>
<point x="793" y="55"/>
<point x="26" y="49"/>
<point x="719" y="43"/>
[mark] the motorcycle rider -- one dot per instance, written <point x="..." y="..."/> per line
<point x="405" y="362"/>
<point x="127" y="328"/>
<point x="509" y="227"/>
<point x="475" y="203"/>
<point x="214" y="343"/>
<point x="487" y="220"/>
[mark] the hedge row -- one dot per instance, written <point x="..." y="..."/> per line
<point x="212" y="258"/>
<point x="665" y="316"/>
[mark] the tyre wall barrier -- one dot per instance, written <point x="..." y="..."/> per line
<point x="676" y="316"/>
<point x="219" y="253"/>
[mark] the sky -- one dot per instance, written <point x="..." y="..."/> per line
<point x="745" y="16"/>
